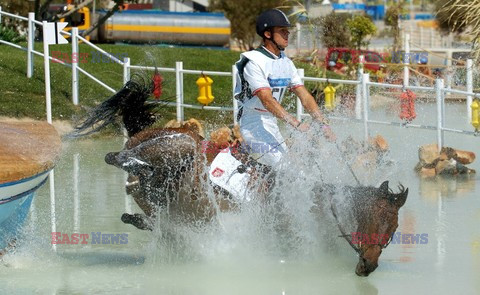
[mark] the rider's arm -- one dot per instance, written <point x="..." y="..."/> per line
<point x="260" y="87"/>
<point x="309" y="103"/>
<point x="274" y="107"/>
<point x="311" y="106"/>
<point x="304" y="95"/>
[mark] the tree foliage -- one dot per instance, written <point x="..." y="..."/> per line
<point x="450" y="15"/>
<point x="242" y="15"/>
<point x="360" y="28"/>
<point x="460" y="15"/>
<point x="392" y="19"/>
<point x="334" y="30"/>
<point x="20" y="7"/>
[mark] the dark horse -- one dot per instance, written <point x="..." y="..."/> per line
<point x="167" y="171"/>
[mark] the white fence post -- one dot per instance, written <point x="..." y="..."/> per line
<point x="439" y="99"/>
<point x="358" y="94"/>
<point x="75" y="58"/>
<point x="0" y="15"/>
<point x="126" y="70"/>
<point x="406" y="60"/>
<point x="235" y="102"/>
<point x="46" y="62"/>
<point x="301" y="73"/>
<point x="299" y="36"/>
<point x="469" y="87"/>
<point x="179" y="89"/>
<point x="30" y="43"/>
<point x="365" y="93"/>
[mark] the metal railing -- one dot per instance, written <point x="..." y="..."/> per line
<point x="75" y="37"/>
<point x="362" y="98"/>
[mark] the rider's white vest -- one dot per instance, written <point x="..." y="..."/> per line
<point x="259" y="69"/>
<point x="262" y="69"/>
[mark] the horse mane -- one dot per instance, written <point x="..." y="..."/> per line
<point x="128" y="102"/>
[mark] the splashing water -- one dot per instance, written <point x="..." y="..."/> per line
<point x="281" y="227"/>
<point x="268" y="246"/>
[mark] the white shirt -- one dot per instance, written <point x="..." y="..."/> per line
<point x="265" y="70"/>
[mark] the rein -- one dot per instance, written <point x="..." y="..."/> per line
<point x="344" y="234"/>
<point x="347" y="237"/>
<point x="340" y="227"/>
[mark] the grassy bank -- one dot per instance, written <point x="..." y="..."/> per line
<point x="23" y="97"/>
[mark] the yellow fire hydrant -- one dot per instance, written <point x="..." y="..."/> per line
<point x="204" y="84"/>
<point x="329" y="92"/>
<point x="475" y="114"/>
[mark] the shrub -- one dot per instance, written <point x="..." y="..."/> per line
<point x="10" y="35"/>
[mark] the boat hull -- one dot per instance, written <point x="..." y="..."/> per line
<point x="15" y="201"/>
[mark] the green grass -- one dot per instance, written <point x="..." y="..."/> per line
<point x="23" y="97"/>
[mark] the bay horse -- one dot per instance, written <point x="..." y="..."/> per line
<point x="166" y="168"/>
<point x="371" y="215"/>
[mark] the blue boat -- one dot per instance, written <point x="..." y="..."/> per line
<point x="28" y="152"/>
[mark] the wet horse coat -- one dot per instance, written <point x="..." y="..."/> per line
<point x="166" y="168"/>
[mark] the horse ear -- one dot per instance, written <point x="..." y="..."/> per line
<point x="384" y="188"/>
<point x="400" y="198"/>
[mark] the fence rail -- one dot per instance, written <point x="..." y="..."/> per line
<point x="362" y="98"/>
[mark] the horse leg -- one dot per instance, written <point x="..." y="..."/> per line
<point x="143" y="198"/>
<point x="140" y="221"/>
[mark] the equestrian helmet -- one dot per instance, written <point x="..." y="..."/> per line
<point x="423" y="60"/>
<point x="271" y="18"/>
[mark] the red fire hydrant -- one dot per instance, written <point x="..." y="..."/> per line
<point x="157" y="85"/>
<point x="407" y="105"/>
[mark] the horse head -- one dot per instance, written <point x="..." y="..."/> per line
<point x="377" y="222"/>
<point x="369" y="214"/>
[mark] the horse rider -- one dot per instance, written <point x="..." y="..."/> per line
<point x="423" y="68"/>
<point x="264" y="75"/>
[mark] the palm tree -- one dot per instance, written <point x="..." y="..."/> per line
<point x="460" y="15"/>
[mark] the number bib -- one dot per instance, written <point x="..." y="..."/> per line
<point x="279" y="87"/>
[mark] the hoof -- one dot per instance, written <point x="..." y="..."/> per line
<point x="110" y="158"/>
<point x="140" y="221"/>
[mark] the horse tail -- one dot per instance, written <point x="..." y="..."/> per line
<point x="129" y="103"/>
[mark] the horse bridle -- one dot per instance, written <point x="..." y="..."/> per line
<point x="348" y="237"/>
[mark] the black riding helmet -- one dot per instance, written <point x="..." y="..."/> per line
<point x="271" y="18"/>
